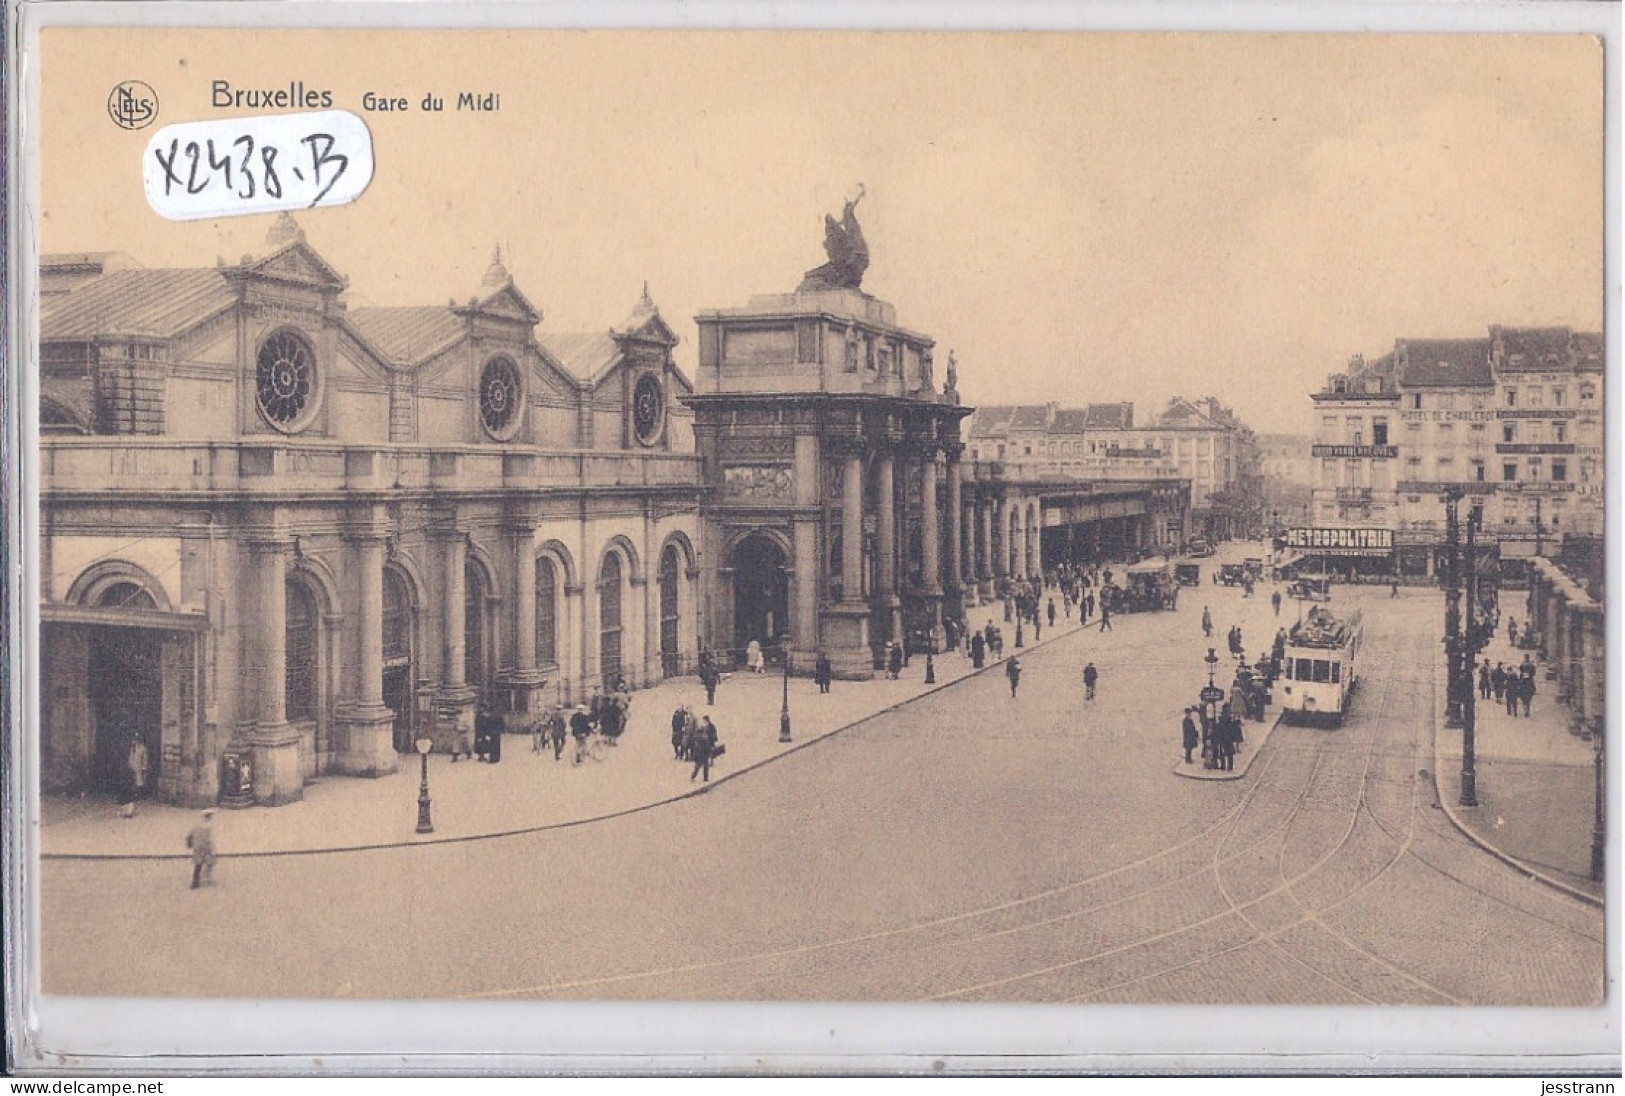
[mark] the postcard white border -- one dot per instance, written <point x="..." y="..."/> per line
<point x="83" y="1036"/>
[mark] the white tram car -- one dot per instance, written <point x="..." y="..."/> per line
<point x="1320" y="667"/>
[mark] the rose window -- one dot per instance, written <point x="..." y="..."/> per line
<point x="647" y="404"/>
<point x="285" y="378"/>
<point x="499" y="395"/>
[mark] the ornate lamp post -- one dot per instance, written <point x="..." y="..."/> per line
<point x="1468" y="642"/>
<point x="784" y="710"/>
<point x="1599" y="827"/>
<point x="425" y="821"/>
<point x="1452" y="611"/>
<point x="1211" y="695"/>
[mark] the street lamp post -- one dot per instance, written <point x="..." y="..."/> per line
<point x="1452" y="611"/>
<point x="784" y="710"/>
<point x="425" y="820"/>
<point x="1211" y="697"/>
<point x="1469" y="705"/>
<point x="1599" y="828"/>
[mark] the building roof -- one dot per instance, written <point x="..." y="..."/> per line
<point x="1539" y="349"/>
<point x="583" y="354"/>
<point x="155" y="303"/>
<point x="1070" y="420"/>
<point x="1109" y="416"/>
<point x="997" y="421"/>
<point x="1443" y="363"/>
<point x="1588" y="350"/>
<point x="408" y="334"/>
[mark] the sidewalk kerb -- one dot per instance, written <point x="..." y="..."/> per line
<point x="1450" y="813"/>
<point x="426" y="842"/>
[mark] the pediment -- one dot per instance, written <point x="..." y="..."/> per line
<point x="508" y="303"/>
<point x="653" y="329"/>
<point x="299" y="262"/>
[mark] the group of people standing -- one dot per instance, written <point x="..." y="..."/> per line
<point x="695" y="740"/>
<point x="1513" y="687"/>
<point x="1218" y="737"/>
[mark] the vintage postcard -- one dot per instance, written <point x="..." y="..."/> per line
<point x="897" y="517"/>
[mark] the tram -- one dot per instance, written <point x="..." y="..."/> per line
<point x="1320" y="667"/>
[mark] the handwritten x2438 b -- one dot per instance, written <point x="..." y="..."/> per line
<point x="235" y="167"/>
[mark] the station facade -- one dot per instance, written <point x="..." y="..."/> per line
<point x="299" y="536"/>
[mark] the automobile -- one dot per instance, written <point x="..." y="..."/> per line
<point x="1255" y="567"/>
<point x="1230" y="574"/>
<point x="1199" y="547"/>
<point x="1310" y="589"/>
<point x="1188" y="574"/>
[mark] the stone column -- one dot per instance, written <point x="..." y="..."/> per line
<point x="931" y="534"/>
<point x="1018" y="542"/>
<point x="275" y="743"/>
<point x="1559" y="669"/>
<point x="886" y="526"/>
<point x="366" y="744"/>
<point x="986" y="557"/>
<point x="520" y="677"/>
<point x="1593" y="679"/>
<point x="458" y="699"/>
<point x="852" y="528"/>
<point x="844" y="625"/>
<point x="956" y="534"/>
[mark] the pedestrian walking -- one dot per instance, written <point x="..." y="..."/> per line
<point x="679" y="732"/>
<point x="701" y="749"/>
<point x="1050" y="612"/>
<point x="201" y="842"/>
<point x="1105" y="616"/>
<point x="557" y="731"/>
<point x="539" y="729"/>
<point x="822" y="672"/>
<point x="1512" y="631"/>
<point x="1088" y="606"/>
<point x="1275" y="602"/>
<point x="1514" y="684"/>
<point x="753" y="656"/>
<point x="1526" y="694"/>
<point x="894" y="659"/>
<point x="978" y="650"/>
<point x="1229" y="737"/>
<point x="1189" y="736"/>
<point x="1207" y="623"/>
<point x="461" y="744"/>
<point x="1484" y="680"/>
<point x="138" y="768"/>
<point x="998" y="645"/>
<point x="580" y="728"/>
<point x="709" y="677"/>
<point x="1090" y="676"/>
<point x="1012" y="670"/>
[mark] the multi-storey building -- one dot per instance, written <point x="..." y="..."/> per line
<point x="1287" y="470"/>
<point x="282" y="538"/>
<point x="1218" y="453"/>
<point x="1513" y="421"/>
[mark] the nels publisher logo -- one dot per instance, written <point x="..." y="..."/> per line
<point x="133" y="105"/>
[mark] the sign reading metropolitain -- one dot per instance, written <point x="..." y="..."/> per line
<point x="1369" y="539"/>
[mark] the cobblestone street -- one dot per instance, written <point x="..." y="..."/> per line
<point x="965" y="846"/>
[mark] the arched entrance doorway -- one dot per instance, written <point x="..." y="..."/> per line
<point x="761" y="592"/>
<point x="609" y="619"/>
<point x="476" y="636"/>
<point x="126" y="694"/>
<point x="399" y="628"/>
<point x="670" y="565"/>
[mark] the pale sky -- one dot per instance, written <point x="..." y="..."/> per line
<point x="1080" y="217"/>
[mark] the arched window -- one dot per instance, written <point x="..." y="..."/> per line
<point x="547" y="607"/>
<point x="473" y="625"/>
<point x="285" y="380"/>
<point x="302" y="622"/>
<point x="397" y="618"/>
<point x="609" y="618"/>
<point x="670" y="561"/>
<point x="125" y="595"/>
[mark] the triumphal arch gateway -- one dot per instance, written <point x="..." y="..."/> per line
<point x="831" y="520"/>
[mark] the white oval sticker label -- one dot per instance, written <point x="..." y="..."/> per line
<point x="233" y="166"/>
